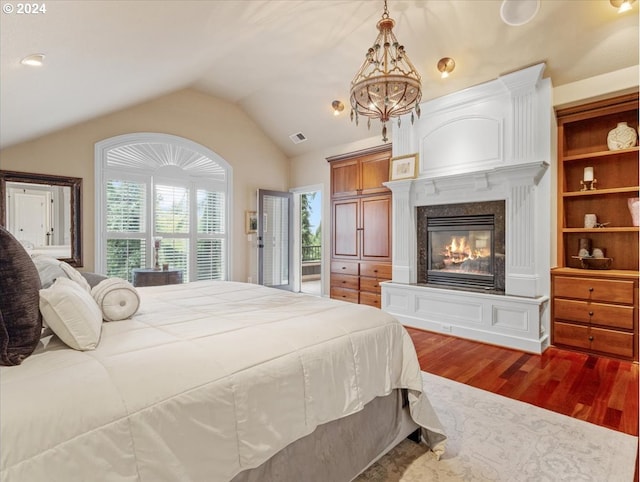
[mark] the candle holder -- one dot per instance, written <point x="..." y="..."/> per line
<point x="588" y="185"/>
<point x="156" y="253"/>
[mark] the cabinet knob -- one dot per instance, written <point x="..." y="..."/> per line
<point x="590" y="338"/>
<point x="590" y="289"/>
<point x="344" y="267"/>
<point x="591" y="313"/>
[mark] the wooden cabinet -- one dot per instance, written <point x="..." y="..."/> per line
<point x="361" y="228"/>
<point x="596" y="313"/>
<point x="360" y="225"/>
<point x="596" y="310"/>
<point x="360" y="173"/>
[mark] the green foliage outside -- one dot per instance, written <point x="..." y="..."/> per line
<point x="311" y="241"/>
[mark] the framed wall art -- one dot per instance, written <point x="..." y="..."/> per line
<point x="403" y="167"/>
<point x="251" y="221"/>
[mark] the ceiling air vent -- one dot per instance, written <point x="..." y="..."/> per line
<point x="297" y="138"/>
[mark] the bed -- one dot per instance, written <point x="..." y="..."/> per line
<point x="217" y="381"/>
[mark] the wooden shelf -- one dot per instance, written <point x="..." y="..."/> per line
<point x="620" y="229"/>
<point x="592" y="155"/>
<point x="602" y="192"/>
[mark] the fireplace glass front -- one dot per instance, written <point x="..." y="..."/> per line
<point x="461" y="251"/>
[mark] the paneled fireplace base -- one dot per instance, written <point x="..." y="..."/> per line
<point x="511" y="321"/>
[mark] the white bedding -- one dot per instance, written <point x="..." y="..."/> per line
<point x="207" y="379"/>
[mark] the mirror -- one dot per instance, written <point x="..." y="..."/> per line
<point x="43" y="212"/>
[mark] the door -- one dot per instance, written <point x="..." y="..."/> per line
<point x="375" y="228"/>
<point x="345" y="228"/>
<point x="30" y="216"/>
<point x="275" y="239"/>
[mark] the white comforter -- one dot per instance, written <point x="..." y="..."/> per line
<point x="207" y="379"/>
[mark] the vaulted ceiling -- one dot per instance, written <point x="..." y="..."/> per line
<point x="283" y="62"/>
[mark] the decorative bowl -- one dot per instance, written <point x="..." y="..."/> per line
<point x="589" y="262"/>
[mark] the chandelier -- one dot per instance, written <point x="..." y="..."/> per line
<point x="387" y="85"/>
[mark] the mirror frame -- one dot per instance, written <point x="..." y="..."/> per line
<point x="75" y="183"/>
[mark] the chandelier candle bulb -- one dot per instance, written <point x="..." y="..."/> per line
<point x="588" y="174"/>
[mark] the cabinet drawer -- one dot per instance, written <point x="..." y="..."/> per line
<point x="344" y="294"/>
<point x="344" y="267"/>
<point x="571" y="335"/>
<point x="344" y="281"/>
<point x="615" y="316"/>
<point x="612" y="342"/>
<point x="370" y="284"/>
<point x="596" y="339"/>
<point x="376" y="270"/>
<point x="371" y="299"/>
<point x="617" y="291"/>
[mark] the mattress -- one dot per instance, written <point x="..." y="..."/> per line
<point x="207" y="380"/>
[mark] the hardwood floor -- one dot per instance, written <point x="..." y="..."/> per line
<point x="599" y="390"/>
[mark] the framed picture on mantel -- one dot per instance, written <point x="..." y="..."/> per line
<point x="403" y="167"/>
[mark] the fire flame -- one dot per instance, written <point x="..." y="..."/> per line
<point x="459" y="250"/>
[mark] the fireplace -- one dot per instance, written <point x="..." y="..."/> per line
<point x="462" y="245"/>
<point x="483" y="151"/>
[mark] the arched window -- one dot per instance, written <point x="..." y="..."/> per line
<point x="161" y="186"/>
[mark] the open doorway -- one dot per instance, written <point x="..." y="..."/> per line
<point x="310" y="229"/>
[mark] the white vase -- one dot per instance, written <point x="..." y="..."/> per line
<point x="621" y="137"/>
<point x="590" y="221"/>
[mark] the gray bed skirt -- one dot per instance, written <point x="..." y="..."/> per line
<point x="339" y="450"/>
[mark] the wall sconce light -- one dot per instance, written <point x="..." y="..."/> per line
<point x="33" y="60"/>
<point x="337" y="107"/>
<point x="622" y="5"/>
<point x="446" y="66"/>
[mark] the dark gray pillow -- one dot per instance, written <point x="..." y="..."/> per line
<point x="20" y="319"/>
<point x="93" y="278"/>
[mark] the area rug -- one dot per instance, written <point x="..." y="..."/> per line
<point x="494" y="438"/>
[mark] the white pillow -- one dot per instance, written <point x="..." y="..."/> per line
<point x="72" y="314"/>
<point x="117" y="298"/>
<point x="75" y="275"/>
<point x="50" y="269"/>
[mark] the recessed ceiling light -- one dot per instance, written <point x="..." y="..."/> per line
<point x="33" y="60"/>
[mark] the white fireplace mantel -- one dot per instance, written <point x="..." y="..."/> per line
<point x="488" y="143"/>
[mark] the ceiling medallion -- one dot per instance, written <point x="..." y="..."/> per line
<point x="387" y="85"/>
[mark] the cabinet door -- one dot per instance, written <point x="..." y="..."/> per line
<point x="375" y="228"/>
<point x="345" y="178"/>
<point x="374" y="171"/>
<point x="344" y="230"/>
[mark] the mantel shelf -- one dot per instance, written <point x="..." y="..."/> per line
<point x="623" y="229"/>
<point x="591" y="155"/>
<point x="602" y="192"/>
